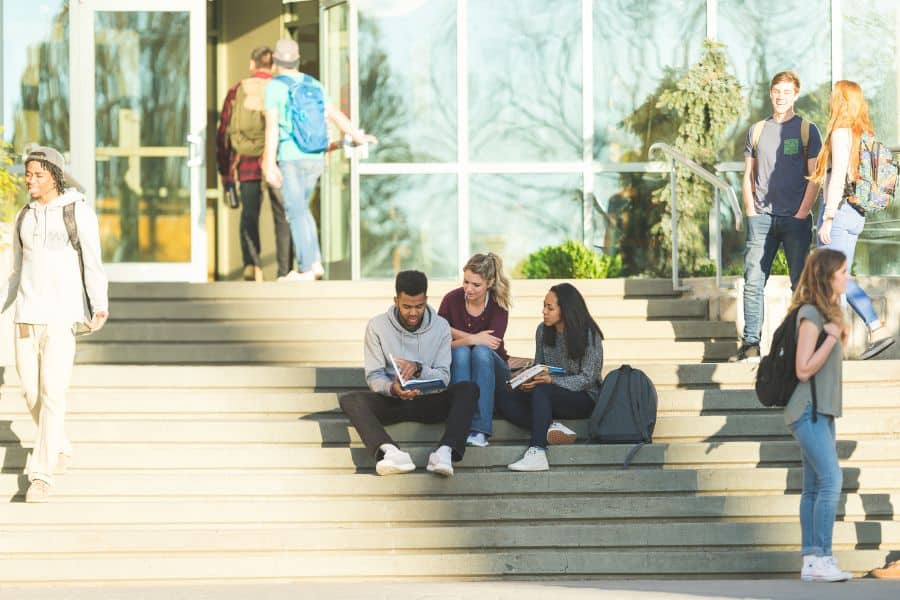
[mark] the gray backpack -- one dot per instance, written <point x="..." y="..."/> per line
<point x="625" y="412"/>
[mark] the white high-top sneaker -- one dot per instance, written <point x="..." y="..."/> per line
<point x="534" y="459"/>
<point x="822" y="568"/>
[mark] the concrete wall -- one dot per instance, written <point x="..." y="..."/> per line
<point x="243" y="26"/>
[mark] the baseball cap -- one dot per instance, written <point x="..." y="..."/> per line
<point x="287" y="54"/>
<point x="35" y="152"/>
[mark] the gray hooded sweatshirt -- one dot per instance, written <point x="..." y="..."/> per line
<point x="429" y="345"/>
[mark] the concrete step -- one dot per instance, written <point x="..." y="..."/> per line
<point x="350" y="353"/>
<point x="376" y="289"/>
<point x="676" y="483"/>
<point x="554" y="563"/>
<point x="313" y="307"/>
<point x="710" y="376"/>
<point x="399" y="511"/>
<point x="249" y="403"/>
<point x="479" y="537"/>
<point x="327" y="331"/>
<point x="336" y="429"/>
<point x="108" y="456"/>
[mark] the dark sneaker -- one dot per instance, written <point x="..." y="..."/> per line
<point x="746" y="353"/>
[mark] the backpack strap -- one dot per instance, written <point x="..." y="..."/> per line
<point x="72" y="230"/>
<point x="804" y="136"/>
<point x="19" y="220"/>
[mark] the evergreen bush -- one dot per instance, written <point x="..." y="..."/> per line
<point x="570" y="260"/>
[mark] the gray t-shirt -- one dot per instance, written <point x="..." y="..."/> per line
<point x="828" y="378"/>
<point x="781" y="165"/>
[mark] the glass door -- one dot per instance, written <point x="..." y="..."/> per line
<point x="138" y="133"/>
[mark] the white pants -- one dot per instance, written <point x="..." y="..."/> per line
<point x="44" y="358"/>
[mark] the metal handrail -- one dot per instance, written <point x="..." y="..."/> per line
<point x="676" y="157"/>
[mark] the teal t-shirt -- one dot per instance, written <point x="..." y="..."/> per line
<point x="277" y="97"/>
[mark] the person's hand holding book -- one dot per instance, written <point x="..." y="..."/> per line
<point x="398" y="392"/>
<point x="536" y="380"/>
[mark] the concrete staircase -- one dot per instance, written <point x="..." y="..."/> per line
<point x="322" y="323"/>
<point x="239" y="472"/>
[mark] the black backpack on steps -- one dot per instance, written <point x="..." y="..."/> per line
<point x="625" y="412"/>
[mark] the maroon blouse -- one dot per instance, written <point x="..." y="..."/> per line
<point x="453" y="308"/>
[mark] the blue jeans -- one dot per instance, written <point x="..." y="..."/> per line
<point x="822" y="481"/>
<point x="765" y="233"/>
<point x="299" y="179"/>
<point x="845" y="230"/>
<point x="485" y="367"/>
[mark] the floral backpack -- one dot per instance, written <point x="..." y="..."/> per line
<point x="877" y="183"/>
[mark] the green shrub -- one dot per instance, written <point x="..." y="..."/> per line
<point x="571" y="260"/>
<point x="9" y="189"/>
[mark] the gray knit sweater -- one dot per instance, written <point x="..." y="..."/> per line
<point x="581" y="375"/>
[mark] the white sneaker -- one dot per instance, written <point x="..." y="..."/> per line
<point x="395" y="461"/>
<point x="295" y="276"/>
<point x="440" y="462"/>
<point x="822" y="568"/>
<point x="559" y="434"/>
<point x="317" y="270"/>
<point x="534" y="459"/>
<point x="476" y="438"/>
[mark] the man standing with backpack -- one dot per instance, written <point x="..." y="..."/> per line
<point x="297" y="108"/>
<point x="59" y="287"/>
<point x="778" y="155"/>
<point x="240" y="141"/>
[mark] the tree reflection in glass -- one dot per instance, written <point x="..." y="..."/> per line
<point x="407" y="67"/>
<point x="525" y="80"/>
<point x="514" y="215"/>
<point x="142" y="100"/>
<point x="408" y="222"/>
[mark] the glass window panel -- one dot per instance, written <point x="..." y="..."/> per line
<point x="408" y="222"/>
<point x="871" y="37"/>
<point x="514" y="215"/>
<point x="630" y="70"/>
<point x="142" y="91"/>
<point x="407" y="79"/>
<point x="624" y="214"/>
<point x="525" y="81"/>
<point x="35" y="73"/>
<point x="763" y="37"/>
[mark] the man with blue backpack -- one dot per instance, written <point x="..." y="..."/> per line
<point x="297" y="110"/>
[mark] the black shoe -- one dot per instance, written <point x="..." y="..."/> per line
<point x="876" y="348"/>
<point x="746" y="353"/>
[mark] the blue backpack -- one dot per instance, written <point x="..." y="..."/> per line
<point x="307" y="105"/>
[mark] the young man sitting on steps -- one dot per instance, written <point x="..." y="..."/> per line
<point x="418" y="340"/>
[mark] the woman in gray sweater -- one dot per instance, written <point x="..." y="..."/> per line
<point x="569" y="339"/>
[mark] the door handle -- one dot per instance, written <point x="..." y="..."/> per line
<point x="195" y="150"/>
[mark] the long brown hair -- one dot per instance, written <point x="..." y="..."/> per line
<point x="490" y="267"/>
<point x="815" y="286"/>
<point x="848" y="109"/>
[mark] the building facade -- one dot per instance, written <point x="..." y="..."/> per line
<point x="504" y="125"/>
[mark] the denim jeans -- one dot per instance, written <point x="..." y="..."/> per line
<point x="822" y="481"/>
<point x="765" y="233"/>
<point x="485" y="367"/>
<point x="845" y="230"/>
<point x="299" y="179"/>
<point x="535" y="410"/>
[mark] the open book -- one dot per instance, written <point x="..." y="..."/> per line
<point x="531" y="372"/>
<point x="425" y="386"/>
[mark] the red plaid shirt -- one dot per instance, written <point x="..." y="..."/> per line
<point x="249" y="168"/>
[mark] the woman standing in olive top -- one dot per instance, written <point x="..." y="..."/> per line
<point x="478" y="313"/>
<point x="818" y="296"/>
<point x="570" y="339"/>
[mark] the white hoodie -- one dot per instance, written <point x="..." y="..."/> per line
<point x="45" y="282"/>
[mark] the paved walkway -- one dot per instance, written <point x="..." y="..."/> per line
<point x="867" y="589"/>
